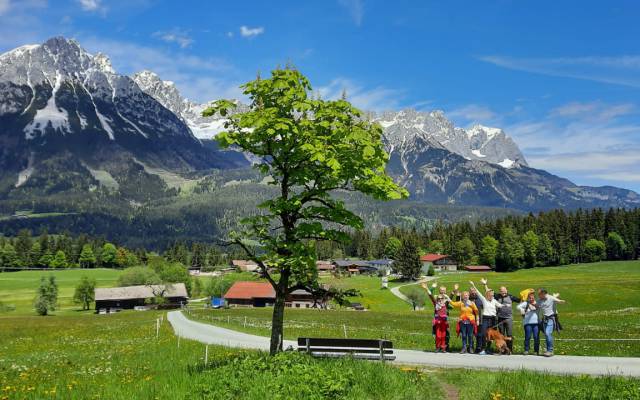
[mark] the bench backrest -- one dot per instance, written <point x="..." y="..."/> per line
<point x="379" y="347"/>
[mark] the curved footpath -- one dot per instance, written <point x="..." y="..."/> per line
<point x="624" y="366"/>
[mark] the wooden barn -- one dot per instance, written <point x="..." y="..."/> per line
<point x="129" y="297"/>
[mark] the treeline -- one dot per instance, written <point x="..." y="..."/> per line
<point x="26" y="251"/>
<point x="548" y="238"/>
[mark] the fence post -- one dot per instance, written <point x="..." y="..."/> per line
<point x="380" y="342"/>
<point x="344" y="327"/>
<point x="245" y="322"/>
<point x="206" y="354"/>
<point x="308" y="346"/>
<point x="157" y="328"/>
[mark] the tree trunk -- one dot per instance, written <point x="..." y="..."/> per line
<point x="277" y="322"/>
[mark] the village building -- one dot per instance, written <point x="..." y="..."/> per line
<point x="250" y="294"/>
<point x="325" y="267"/>
<point x="477" y="268"/>
<point x="245" y="265"/>
<point x="383" y="266"/>
<point x="440" y="262"/>
<point x="354" y="267"/>
<point x="261" y="294"/>
<point x="129" y="297"/>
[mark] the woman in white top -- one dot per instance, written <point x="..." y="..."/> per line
<point x="489" y="316"/>
<point x="529" y="312"/>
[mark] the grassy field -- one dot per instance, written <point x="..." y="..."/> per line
<point x="113" y="357"/>
<point x="76" y="355"/>
<point x="603" y="301"/>
<point x="19" y="288"/>
<point x="118" y="357"/>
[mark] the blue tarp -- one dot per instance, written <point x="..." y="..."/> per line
<point x="217" y="302"/>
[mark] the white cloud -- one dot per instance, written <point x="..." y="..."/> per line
<point x="89" y="5"/>
<point x="176" y="35"/>
<point x="473" y="113"/>
<point x="355" y="9"/>
<point x="247" y="32"/>
<point x="621" y="70"/>
<point x="375" y="99"/>
<point x="5" y="5"/>
<point x="584" y="140"/>
<point x="595" y="110"/>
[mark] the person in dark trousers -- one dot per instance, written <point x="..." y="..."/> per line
<point x="547" y="312"/>
<point x="530" y="323"/>
<point x="505" y="314"/>
<point x="473" y="296"/>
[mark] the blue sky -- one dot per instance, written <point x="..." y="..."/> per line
<point x="561" y="77"/>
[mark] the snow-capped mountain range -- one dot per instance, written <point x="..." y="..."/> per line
<point x="400" y="127"/>
<point x="69" y="122"/>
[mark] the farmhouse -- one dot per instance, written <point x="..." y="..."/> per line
<point x="325" y="267"/>
<point x="261" y="294"/>
<point x="245" y="265"/>
<point x="477" y="268"/>
<point x="353" y="267"/>
<point x="128" y="297"/>
<point x="440" y="262"/>
<point x="250" y="294"/>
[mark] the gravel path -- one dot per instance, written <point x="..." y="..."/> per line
<point x="626" y="366"/>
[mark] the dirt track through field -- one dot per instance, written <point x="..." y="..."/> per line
<point x="575" y="365"/>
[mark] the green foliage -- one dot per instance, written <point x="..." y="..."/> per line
<point x="9" y="257"/>
<point x="510" y="252"/>
<point x="59" y="260"/>
<point x="530" y="243"/>
<point x="464" y="251"/>
<point x="85" y="292"/>
<point x="431" y="271"/>
<point x="417" y="297"/>
<point x="436" y="247"/>
<point x="594" y="250"/>
<point x="392" y="247"/>
<point x="489" y="251"/>
<point x="309" y="149"/>
<point x="616" y="246"/>
<point x="46" y="296"/>
<point x="108" y="255"/>
<point x="87" y="259"/>
<point x="408" y="260"/>
<point x="138" y="276"/>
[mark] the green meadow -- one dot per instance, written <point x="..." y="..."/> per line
<point x="18" y="288"/>
<point x="603" y="302"/>
<point x="81" y="355"/>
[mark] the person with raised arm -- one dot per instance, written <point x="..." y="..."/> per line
<point x="440" y="319"/>
<point x="546" y="305"/>
<point x="529" y="312"/>
<point x="467" y="323"/>
<point x="489" y="316"/>
<point x="505" y="314"/>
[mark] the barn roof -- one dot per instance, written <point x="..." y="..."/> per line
<point x="433" y="257"/>
<point x="250" y="290"/>
<point x="351" y="263"/>
<point x="141" y="292"/>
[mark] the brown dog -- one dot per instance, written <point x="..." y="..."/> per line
<point x="500" y="341"/>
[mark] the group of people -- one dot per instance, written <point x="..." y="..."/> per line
<point x="481" y="313"/>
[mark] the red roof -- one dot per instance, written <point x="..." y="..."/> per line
<point x="477" y="268"/>
<point x="250" y="290"/>
<point x="432" y="257"/>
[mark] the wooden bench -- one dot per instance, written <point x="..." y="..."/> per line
<point x="370" y="349"/>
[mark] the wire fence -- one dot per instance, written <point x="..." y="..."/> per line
<point x="262" y="323"/>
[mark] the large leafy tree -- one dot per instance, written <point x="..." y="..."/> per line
<point x="309" y="148"/>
